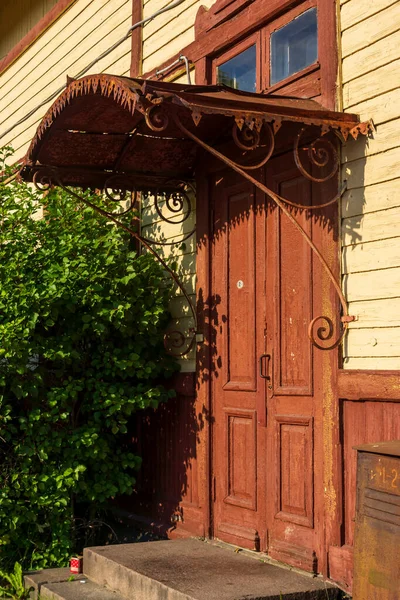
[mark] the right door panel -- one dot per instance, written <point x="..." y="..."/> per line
<point x="290" y="398"/>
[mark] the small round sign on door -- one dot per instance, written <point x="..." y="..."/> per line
<point x="240" y="284"/>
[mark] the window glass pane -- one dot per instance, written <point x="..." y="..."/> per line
<point x="240" y="71"/>
<point x="294" y="46"/>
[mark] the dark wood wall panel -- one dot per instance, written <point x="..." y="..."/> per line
<point x="363" y="423"/>
<point x="167" y="489"/>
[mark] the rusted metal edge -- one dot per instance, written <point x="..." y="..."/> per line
<point x="107" y="85"/>
<point x="199" y="104"/>
<point x="132" y="94"/>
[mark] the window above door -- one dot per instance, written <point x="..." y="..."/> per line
<point x="283" y="54"/>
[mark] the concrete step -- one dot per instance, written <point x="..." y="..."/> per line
<point x="196" y="570"/>
<point x="57" y="584"/>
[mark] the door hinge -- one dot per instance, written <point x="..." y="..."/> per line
<point x="214" y="488"/>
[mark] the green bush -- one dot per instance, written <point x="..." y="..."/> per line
<point x="82" y="317"/>
<point x="13" y="585"/>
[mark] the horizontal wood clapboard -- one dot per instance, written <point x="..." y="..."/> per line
<point x="371" y="205"/>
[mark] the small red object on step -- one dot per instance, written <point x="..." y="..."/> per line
<point x="76" y="564"/>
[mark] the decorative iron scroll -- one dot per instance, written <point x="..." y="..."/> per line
<point x="178" y="203"/>
<point x="248" y="137"/>
<point x="175" y="342"/>
<point x="156" y="118"/>
<point x="321" y="154"/>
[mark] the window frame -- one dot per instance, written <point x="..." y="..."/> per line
<point x="305" y="82"/>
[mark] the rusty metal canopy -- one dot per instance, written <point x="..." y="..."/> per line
<point x="107" y="128"/>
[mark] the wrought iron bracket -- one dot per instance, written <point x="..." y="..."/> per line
<point x="321" y="328"/>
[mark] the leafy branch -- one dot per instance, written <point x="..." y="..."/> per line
<point x="82" y="318"/>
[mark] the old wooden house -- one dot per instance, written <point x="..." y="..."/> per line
<point x="292" y="354"/>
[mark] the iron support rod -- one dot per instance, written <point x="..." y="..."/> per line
<point x="276" y="198"/>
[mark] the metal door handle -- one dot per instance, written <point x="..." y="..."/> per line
<point x="265" y="358"/>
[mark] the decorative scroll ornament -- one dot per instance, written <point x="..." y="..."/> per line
<point x="175" y="208"/>
<point x="177" y="202"/>
<point x="156" y="118"/>
<point x="245" y="138"/>
<point x="250" y="137"/>
<point x="321" y="330"/>
<point x="42" y="180"/>
<point x="116" y="190"/>
<point x="321" y="333"/>
<point x="175" y="342"/>
<point x="321" y="153"/>
<point x="113" y="191"/>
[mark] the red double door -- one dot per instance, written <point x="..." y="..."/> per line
<point x="267" y="385"/>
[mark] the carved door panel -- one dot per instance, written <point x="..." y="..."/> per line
<point x="263" y="379"/>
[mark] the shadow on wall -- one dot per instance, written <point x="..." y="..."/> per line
<point x="355" y="230"/>
<point x="167" y="439"/>
<point x="354" y="199"/>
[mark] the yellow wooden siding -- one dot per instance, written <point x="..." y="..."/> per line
<point x="387" y="136"/>
<point x="355" y="11"/>
<point x="384" y="23"/>
<point x="363" y="200"/>
<point x="383" y="254"/>
<point x="369" y="363"/>
<point x="372" y="285"/>
<point x="371" y="205"/>
<point x="384" y="79"/>
<point x="166" y="36"/>
<point x="377" y="54"/>
<point x="373" y="342"/>
<point x="17" y="18"/>
<point x="80" y="34"/>
<point x="381" y="313"/>
<point x="372" y="226"/>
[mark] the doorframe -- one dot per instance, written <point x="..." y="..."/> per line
<point x="201" y="52"/>
<point x="328" y="440"/>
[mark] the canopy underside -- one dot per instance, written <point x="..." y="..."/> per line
<point x="130" y="130"/>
